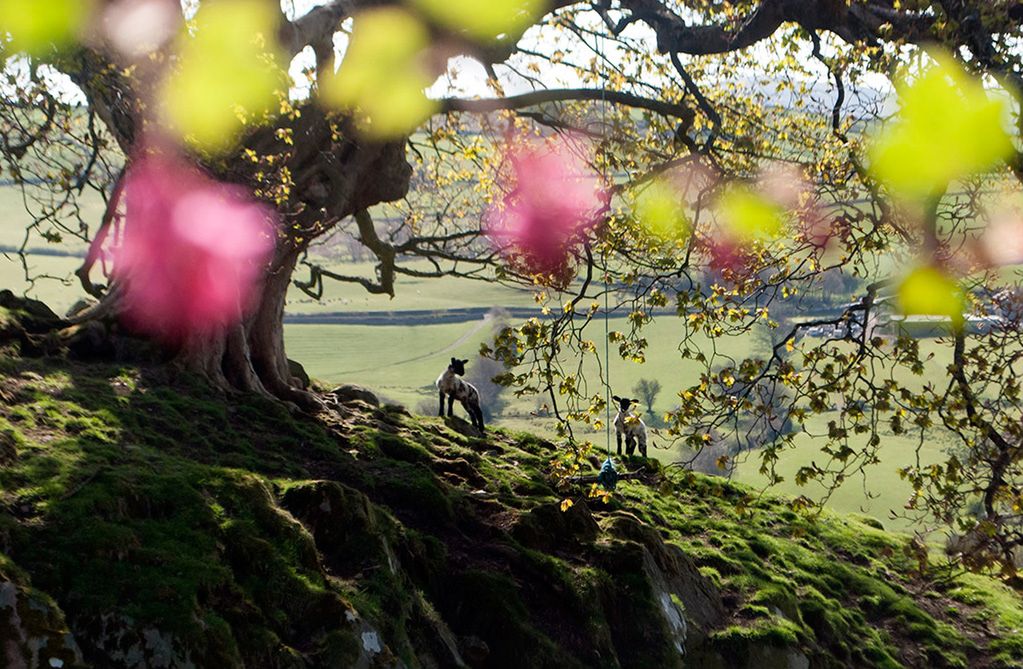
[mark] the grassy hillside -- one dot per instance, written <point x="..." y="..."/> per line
<point x="402" y="362"/>
<point x="156" y="522"/>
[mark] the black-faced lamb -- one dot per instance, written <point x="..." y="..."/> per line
<point x="451" y="384"/>
<point x="631" y="426"/>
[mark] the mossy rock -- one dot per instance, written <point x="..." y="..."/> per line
<point x="547" y="527"/>
<point x="400" y="447"/>
<point x="347" y="528"/>
<point x="413" y="490"/>
<point x="32" y="316"/>
<point x="488" y="605"/>
<point x="32" y="626"/>
<point x="702" y="600"/>
<point x="349" y="393"/>
<point x="646" y="630"/>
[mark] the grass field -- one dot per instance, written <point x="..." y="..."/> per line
<point x="411" y="293"/>
<point x="15" y="217"/>
<point x="59" y="293"/>
<point x="878" y="493"/>
<point x="399" y="362"/>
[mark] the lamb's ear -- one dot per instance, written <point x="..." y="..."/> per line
<point x="635" y="401"/>
<point x="616" y="398"/>
<point x="466" y="361"/>
<point x="453" y="361"/>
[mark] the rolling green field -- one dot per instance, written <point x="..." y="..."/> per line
<point x="879" y="493"/>
<point x="60" y="293"/>
<point x="399" y="362"/>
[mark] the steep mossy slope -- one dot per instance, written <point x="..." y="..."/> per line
<point x="147" y="522"/>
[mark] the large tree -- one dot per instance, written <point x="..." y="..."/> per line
<point x="713" y="91"/>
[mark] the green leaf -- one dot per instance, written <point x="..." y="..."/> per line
<point x="660" y="209"/>
<point x="383" y="75"/>
<point x="488" y="21"/>
<point x="227" y="75"/>
<point x="929" y="291"/>
<point x="948" y="128"/>
<point x="37" y="26"/>
<point x="748" y="216"/>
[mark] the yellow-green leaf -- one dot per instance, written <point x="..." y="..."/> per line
<point x="948" y="127"/>
<point x="228" y="74"/>
<point x="660" y="209"/>
<point x="928" y="291"/>
<point x="488" y="20"/>
<point x="748" y="216"/>
<point x="36" y="26"/>
<point x="383" y="75"/>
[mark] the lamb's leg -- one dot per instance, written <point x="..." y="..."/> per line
<point x="619" y="435"/>
<point x="451" y="405"/>
<point x="642" y="445"/>
<point x="441" y="412"/>
<point x="630" y="444"/>
<point x="475" y="414"/>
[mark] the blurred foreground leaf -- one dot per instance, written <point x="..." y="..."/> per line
<point x="948" y="127"/>
<point x="660" y="208"/>
<point x="484" y="20"/>
<point x="227" y="76"/>
<point x="927" y="291"/>
<point x="383" y="75"/>
<point x="749" y="216"/>
<point x="36" y="26"/>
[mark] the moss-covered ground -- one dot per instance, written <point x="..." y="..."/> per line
<point x="143" y="502"/>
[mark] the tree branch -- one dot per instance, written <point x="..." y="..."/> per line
<point x="316" y="27"/>
<point x="859" y="22"/>
<point x="96" y="245"/>
<point x="485" y="105"/>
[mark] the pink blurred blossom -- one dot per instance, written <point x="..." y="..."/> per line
<point x="817" y="227"/>
<point x="728" y="257"/>
<point x="137" y="28"/>
<point x="193" y="249"/>
<point x="787" y="185"/>
<point x="555" y="196"/>
<point x="1002" y="241"/>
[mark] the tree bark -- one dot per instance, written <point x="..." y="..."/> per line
<point x="266" y="332"/>
<point x="311" y="166"/>
<point x="335" y="175"/>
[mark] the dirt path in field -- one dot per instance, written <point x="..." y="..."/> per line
<point x="450" y="347"/>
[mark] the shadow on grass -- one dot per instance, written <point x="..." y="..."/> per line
<point x="147" y="506"/>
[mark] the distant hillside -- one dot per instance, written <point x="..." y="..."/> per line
<point x="147" y="522"/>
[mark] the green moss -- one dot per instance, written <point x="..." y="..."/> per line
<point x="400" y="448"/>
<point x="770" y="630"/>
<point x="831" y="578"/>
<point x="778" y="596"/>
<point x="1002" y="606"/>
<point x="171" y="506"/>
<point x="415" y="489"/>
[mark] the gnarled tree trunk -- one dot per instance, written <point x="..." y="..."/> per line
<point x="325" y="173"/>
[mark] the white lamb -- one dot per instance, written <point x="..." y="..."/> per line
<point x="630" y="425"/>
<point x="449" y="383"/>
